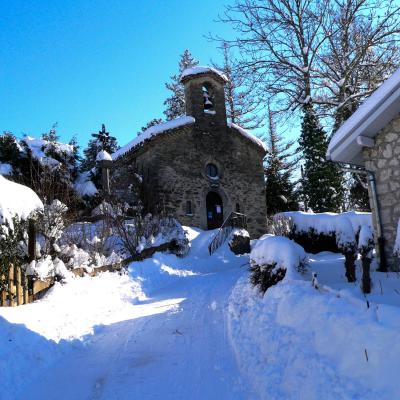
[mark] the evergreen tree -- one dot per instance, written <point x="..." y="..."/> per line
<point x="358" y="194"/>
<point x="175" y="104"/>
<point x="9" y="150"/>
<point x="280" y="164"/>
<point x="101" y="141"/>
<point x="51" y="136"/>
<point x="322" y="181"/>
<point x="107" y="142"/>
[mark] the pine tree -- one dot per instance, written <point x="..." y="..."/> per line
<point x="175" y="104"/>
<point x="51" y="136"/>
<point x="9" y="150"/>
<point x="280" y="163"/>
<point x="107" y="142"/>
<point x="101" y="141"/>
<point x="322" y="182"/>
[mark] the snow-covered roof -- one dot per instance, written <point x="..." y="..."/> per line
<point x="200" y="70"/>
<point x="103" y="156"/>
<point x="373" y="114"/>
<point x="248" y="135"/>
<point x="16" y="201"/>
<point x="155" y="130"/>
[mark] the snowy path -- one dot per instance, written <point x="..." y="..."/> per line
<point x="174" y="346"/>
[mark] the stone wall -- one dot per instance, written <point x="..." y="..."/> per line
<point x="174" y="166"/>
<point x="384" y="160"/>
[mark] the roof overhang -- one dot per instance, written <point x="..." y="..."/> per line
<point x="361" y="128"/>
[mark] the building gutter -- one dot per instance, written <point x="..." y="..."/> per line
<point x="375" y="204"/>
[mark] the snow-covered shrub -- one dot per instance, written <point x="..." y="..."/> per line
<point x="239" y="241"/>
<point x="50" y="225"/>
<point x="365" y="248"/>
<point x="326" y="231"/>
<point x="273" y="258"/>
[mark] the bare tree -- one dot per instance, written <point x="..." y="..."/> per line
<point x="278" y="42"/>
<point x="243" y="106"/>
<point x="330" y="53"/>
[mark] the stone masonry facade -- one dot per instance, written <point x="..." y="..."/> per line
<point x="384" y="160"/>
<point x="173" y="164"/>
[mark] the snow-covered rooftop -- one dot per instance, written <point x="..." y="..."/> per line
<point x="248" y="135"/>
<point x="151" y="132"/>
<point x="199" y="70"/>
<point x="16" y="201"/>
<point x="373" y="114"/>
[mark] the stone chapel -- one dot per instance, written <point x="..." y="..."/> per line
<point x="199" y="166"/>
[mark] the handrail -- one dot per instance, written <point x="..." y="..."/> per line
<point x="234" y="220"/>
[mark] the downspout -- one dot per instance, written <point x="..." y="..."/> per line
<point x="375" y="205"/>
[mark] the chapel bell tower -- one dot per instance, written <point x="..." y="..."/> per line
<point x="205" y="96"/>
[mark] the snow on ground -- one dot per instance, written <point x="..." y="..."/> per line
<point x="193" y="328"/>
<point x="158" y="332"/>
<point x="313" y="344"/>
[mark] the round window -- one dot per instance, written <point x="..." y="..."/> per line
<point x="212" y="170"/>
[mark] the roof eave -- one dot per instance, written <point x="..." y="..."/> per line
<point x="348" y="150"/>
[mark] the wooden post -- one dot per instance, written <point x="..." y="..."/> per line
<point x="11" y="288"/>
<point x="19" y="287"/>
<point x="24" y="283"/>
<point x="31" y="240"/>
<point x="3" y="293"/>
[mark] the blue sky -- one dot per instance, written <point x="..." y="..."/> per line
<point x="82" y="63"/>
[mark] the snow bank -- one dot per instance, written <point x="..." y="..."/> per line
<point x="248" y="135"/>
<point x="16" y="201"/>
<point x="297" y="342"/>
<point x="279" y="251"/>
<point x="199" y="70"/>
<point x="153" y="131"/>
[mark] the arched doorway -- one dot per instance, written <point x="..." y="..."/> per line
<point x="215" y="211"/>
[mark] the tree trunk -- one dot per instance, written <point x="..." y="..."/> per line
<point x="366" y="278"/>
<point x="349" y="264"/>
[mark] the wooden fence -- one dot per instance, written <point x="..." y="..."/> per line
<point x="16" y="288"/>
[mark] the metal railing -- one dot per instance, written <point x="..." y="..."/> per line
<point x="234" y="220"/>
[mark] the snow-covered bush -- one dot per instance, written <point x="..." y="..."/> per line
<point x="365" y="248"/>
<point x="326" y="231"/>
<point x="273" y="258"/>
<point x="17" y="204"/>
<point x="50" y="225"/>
<point x="239" y="241"/>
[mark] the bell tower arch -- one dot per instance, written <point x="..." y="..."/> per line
<point x="205" y="96"/>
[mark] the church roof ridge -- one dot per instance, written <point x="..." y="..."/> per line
<point x="202" y="70"/>
<point x="154" y="130"/>
<point x="248" y="135"/>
